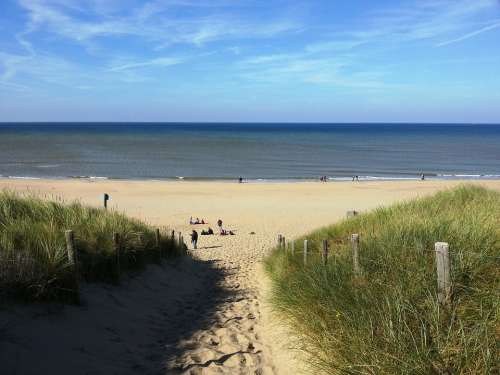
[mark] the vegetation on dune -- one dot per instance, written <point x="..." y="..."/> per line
<point x="33" y="258"/>
<point x="388" y="319"/>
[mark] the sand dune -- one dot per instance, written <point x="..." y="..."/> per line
<point x="203" y="316"/>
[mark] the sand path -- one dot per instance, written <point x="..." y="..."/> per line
<point x="205" y="320"/>
<point x="234" y="343"/>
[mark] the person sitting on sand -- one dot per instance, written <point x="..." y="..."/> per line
<point x="194" y="239"/>
<point x="191" y="222"/>
<point x="202" y="221"/>
<point x="207" y="232"/>
<point x="219" y="224"/>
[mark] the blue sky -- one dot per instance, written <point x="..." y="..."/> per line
<point x="250" y="60"/>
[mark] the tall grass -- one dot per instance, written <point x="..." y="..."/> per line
<point x="33" y="260"/>
<point x="388" y="320"/>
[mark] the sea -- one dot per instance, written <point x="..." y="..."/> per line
<point x="255" y="152"/>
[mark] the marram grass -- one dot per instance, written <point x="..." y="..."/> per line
<point x="33" y="259"/>
<point x="388" y="320"/>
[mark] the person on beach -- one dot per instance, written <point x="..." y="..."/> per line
<point x="207" y="232"/>
<point x="422" y="177"/>
<point x="219" y="224"/>
<point x="240" y="180"/>
<point x="194" y="239"/>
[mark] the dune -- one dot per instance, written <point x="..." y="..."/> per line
<point x="205" y="315"/>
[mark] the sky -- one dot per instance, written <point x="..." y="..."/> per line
<point x="250" y="60"/>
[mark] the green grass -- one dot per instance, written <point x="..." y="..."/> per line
<point x="33" y="258"/>
<point x="388" y="320"/>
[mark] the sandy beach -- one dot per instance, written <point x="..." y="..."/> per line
<point x="208" y="315"/>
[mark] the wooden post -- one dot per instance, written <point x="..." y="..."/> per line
<point x="305" y="252"/>
<point x="292" y="247"/>
<point x="279" y="241"/>
<point x="351" y="213"/>
<point x="180" y="239"/>
<point x="73" y="260"/>
<point x="324" y="254"/>
<point x="158" y="243"/>
<point x="106" y="198"/>
<point x="283" y="243"/>
<point x="355" y="253"/>
<point x="443" y="271"/>
<point x="118" y="249"/>
<point x="70" y="248"/>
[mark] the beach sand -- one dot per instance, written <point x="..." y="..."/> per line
<point x="208" y="315"/>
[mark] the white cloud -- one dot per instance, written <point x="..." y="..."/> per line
<point x="470" y="35"/>
<point x="157" y="62"/>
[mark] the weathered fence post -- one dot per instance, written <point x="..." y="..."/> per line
<point x="443" y="271"/>
<point x="158" y="243"/>
<point x="305" y="252"/>
<point x="118" y="249"/>
<point x="351" y="213"/>
<point x="324" y="253"/>
<point x="73" y="260"/>
<point x="283" y="243"/>
<point x="279" y="241"/>
<point x="355" y="253"/>
<point x="292" y="247"/>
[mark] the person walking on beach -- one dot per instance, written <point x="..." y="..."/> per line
<point x="194" y="239"/>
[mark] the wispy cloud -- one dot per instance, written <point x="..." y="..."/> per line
<point x="157" y="62"/>
<point x="470" y="35"/>
<point x="152" y="21"/>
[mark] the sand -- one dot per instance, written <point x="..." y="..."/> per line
<point x="206" y="315"/>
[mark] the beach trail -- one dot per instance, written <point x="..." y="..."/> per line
<point x="208" y="315"/>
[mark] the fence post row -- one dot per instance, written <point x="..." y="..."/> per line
<point x="443" y="271"/>
<point x="305" y="252"/>
<point x="355" y="253"/>
<point x="324" y="253"/>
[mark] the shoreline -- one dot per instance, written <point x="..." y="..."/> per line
<point x="273" y="180"/>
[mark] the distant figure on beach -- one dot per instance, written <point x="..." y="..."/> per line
<point x="422" y="177"/>
<point x="207" y="232"/>
<point x="197" y="221"/>
<point x="219" y="224"/>
<point x="323" y="179"/>
<point x="194" y="239"/>
<point x="355" y="178"/>
<point x="240" y="180"/>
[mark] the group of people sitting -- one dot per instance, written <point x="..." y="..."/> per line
<point x="208" y="232"/>
<point x="196" y="221"/>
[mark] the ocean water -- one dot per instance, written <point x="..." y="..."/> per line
<point x="253" y="151"/>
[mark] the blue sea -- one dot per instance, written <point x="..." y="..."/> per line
<point x="268" y="152"/>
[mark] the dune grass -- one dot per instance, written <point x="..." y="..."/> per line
<point x="388" y="320"/>
<point x="33" y="258"/>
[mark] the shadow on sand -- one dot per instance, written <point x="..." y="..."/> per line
<point x="134" y="328"/>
